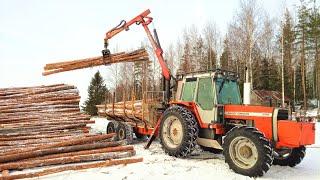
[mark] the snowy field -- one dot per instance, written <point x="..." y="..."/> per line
<point x="201" y="165"/>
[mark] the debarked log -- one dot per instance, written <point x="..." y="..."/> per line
<point x="56" y="150"/>
<point x="66" y="160"/>
<point x="76" y="141"/>
<point x="72" y="167"/>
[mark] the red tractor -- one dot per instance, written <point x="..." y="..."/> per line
<point x="207" y="110"/>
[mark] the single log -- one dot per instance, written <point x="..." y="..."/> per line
<point x="76" y="141"/>
<point x="65" y="149"/>
<point x="41" y="136"/>
<point x="72" y="167"/>
<point x="84" y="152"/>
<point x="40" y="124"/>
<point x="76" y="130"/>
<point x="66" y="160"/>
<point x="44" y="128"/>
<point x="5" y="173"/>
<point x="40" y="141"/>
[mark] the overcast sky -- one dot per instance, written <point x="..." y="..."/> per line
<point x="36" y="32"/>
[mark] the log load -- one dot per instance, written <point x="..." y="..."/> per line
<point x="42" y="126"/>
<point x="138" y="112"/>
<point x="131" y="109"/>
<point x="134" y="56"/>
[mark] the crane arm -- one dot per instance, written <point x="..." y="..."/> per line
<point x="144" y="20"/>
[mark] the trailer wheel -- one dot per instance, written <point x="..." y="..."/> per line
<point x="125" y="132"/>
<point x="111" y="128"/>
<point x="247" y="151"/>
<point x="129" y="133"/>
<point x="178" y="131"/>
<point x="289" y="157"/>
<point x="121" y="131"/>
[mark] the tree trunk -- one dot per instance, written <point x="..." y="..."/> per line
<point x="303" y="72"/>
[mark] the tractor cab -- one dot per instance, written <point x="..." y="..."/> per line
<point x="209" y="90"/>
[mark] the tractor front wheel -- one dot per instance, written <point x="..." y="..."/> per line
<point x="247" y="151"/>
<point x="289" y="157"/>
<point x="178" y="131"/>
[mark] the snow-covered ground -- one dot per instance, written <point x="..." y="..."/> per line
<point x="201" y="165"/>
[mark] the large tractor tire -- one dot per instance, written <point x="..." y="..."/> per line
<point x="125" y="132"/>
<point x="178" y="131"/>
<point x="290" y="157"/>
<point x="247" y="151"/>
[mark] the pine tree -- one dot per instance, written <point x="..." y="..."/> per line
<point x="225" y="58"/>
<point x="265" y="74"/>
<point x="314" y="35"/>
<point x="301" y="37"/>
<point x="96" y="94"/>
<point x="288" y="40"/>
<point x="185" y="64"/>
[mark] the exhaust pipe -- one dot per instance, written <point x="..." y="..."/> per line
<point x="246" y="89"/>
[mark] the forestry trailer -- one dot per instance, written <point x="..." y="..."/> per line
<point x="207" y="109"/>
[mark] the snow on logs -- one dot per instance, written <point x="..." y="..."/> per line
<point x="134" y="56"/>
<point x="42" y="126"/>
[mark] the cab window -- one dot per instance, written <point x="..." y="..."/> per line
<point x="205" y="96"/>
<point x="227" y="91"/>
<point x="189" y="88"/>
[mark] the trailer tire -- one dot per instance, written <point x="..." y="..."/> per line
<point x="291" y="158"/>
<point x="125" y="132"/>
<point x="121" y="131"/>
<point x="129" y="133"/>
<point x="111" y="128"/>
<point x="247" y="151"/>
<point x="178" y="131"/>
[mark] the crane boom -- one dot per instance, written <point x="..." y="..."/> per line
<point x="144" y="20"/>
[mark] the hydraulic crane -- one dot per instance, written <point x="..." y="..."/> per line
<point x="144" y="20"/>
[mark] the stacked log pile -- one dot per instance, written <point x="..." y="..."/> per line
<point x="42" y="126"/>
<point x="84" y="149"/>
<point x="134" y="56"/>
<point x="30" y="113"/>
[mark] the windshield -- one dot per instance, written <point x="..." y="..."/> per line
<point x="227" y="91"/>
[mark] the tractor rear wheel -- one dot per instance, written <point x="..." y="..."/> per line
<point x="178" y="131"/>
<point x="247" y="151"/>
<point x="290" y="157"/>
